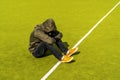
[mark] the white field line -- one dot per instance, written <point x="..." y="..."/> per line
<point x="58" y="63"/>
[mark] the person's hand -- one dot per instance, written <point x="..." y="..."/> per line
<point x="59" y="36"/>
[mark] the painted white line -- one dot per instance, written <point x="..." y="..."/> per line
<point x="51" y="70"/>
<point x="96" y="25"/>
<point x="58" y="63"/>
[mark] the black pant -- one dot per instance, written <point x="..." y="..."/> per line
<point x="43" y="47"/>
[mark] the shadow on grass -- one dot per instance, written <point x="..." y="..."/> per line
<point x="78" y="52"/>
<point x="74" y="55"/>
<point x="72" y="61"/>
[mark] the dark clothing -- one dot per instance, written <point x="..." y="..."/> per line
<point x="44" y="33"/>
<point x="43" y="37"/>
<point x="43" y="47"/>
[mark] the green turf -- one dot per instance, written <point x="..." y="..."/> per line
<point x="99" y="52"/>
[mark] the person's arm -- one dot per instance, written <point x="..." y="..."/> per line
<point x="59" y="36"/>
<point x="55" y="34"/>
<point x="44" y="37"/>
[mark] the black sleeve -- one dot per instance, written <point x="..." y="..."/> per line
<point x="55" y="34"/>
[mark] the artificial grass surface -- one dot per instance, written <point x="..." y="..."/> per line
<point x="99" y="52"/>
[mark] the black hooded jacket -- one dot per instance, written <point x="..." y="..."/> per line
<point x="45" y="32"/>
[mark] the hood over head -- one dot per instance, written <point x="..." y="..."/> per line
<point x="49" y="25"/>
